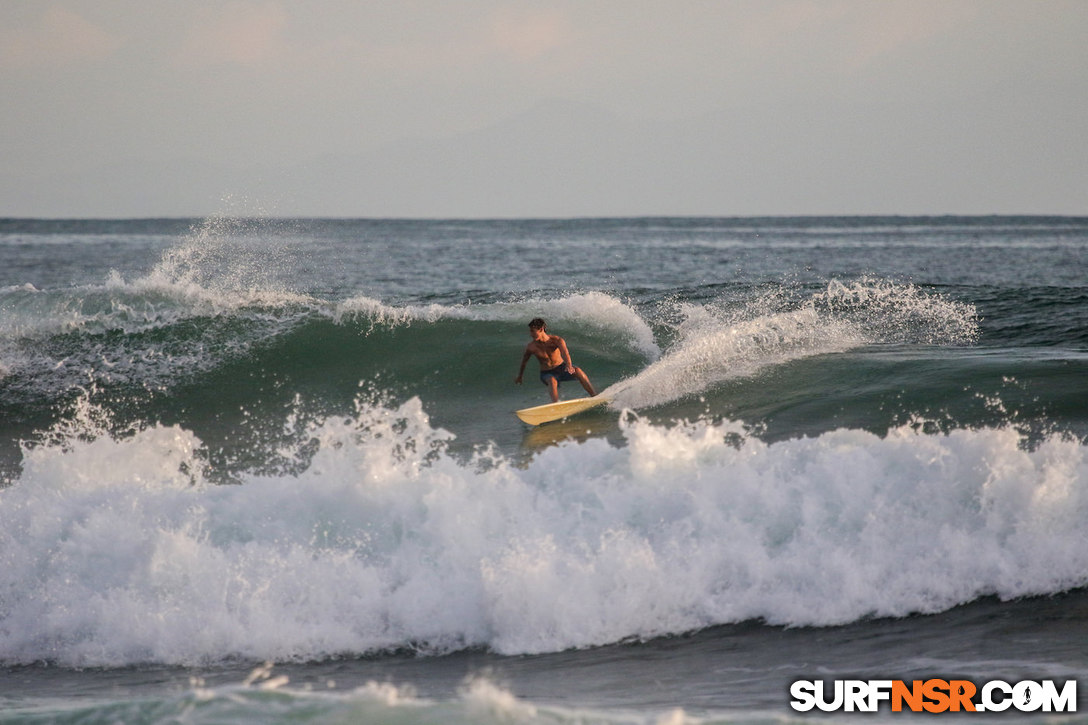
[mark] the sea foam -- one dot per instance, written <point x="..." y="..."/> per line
<point x="117" y="550"/>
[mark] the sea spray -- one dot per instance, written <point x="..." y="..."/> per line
<point x="115" y="551"/>
<point x="715" y="343"/>
<point x="888" y="312"/>
<point x="232" y="254"/>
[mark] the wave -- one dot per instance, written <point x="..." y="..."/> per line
<point x="117" y="549"/>
<point x="163" y="327"/>
<point x="246" y="268"/>
<point x="154" y="336"/>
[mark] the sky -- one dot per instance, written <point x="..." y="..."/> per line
<point x="488" y="108"/>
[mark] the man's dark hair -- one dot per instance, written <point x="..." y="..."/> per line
<point x="538" y="324"/>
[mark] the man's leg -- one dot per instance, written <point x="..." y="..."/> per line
<point x="553" y="388"/>
<point x="584" y="380"/>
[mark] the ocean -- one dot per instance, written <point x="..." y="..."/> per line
<point x="262" y="470"/>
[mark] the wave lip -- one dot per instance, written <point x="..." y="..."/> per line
<point x="115" y="551"/>
<point x="595" y="312"/>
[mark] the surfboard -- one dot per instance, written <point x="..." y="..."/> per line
<point x="554" y="411"/>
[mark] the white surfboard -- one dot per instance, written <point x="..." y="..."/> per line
<point x="555" y="411"/>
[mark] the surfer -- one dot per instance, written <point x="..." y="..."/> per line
<point x="555" y="363"/>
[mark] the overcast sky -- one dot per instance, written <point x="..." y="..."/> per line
<point x="581" y="108"/>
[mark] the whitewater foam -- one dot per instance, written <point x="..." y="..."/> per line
<point x="117" y="550"/>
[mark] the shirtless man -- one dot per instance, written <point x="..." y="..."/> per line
<point x="555" y="364"/>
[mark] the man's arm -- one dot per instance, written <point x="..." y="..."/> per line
<point x="521" y="370"/>
<point x="565" y="353"/>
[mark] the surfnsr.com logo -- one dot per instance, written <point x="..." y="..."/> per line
<point x="934" y="695"/>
